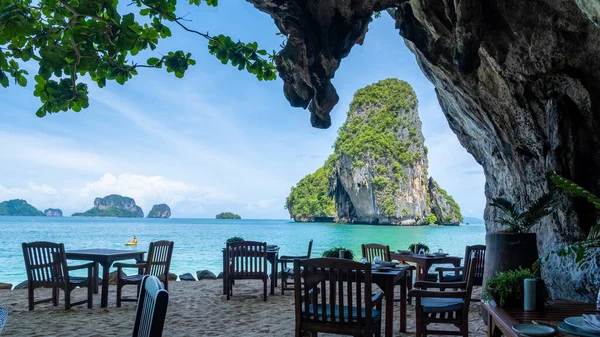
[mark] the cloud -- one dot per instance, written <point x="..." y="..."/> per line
<point x="262" y="204"/>
<point x="40" y="196"/>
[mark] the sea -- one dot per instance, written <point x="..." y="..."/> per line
<point x="198" y="242"/>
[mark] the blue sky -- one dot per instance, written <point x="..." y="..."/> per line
<point x="216" y="140"/>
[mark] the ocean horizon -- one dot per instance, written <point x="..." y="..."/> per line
<point x="198" y="241"/>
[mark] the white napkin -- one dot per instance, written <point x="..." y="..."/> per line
<point x="593" y="320"/>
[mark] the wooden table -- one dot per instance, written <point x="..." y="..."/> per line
<point x="425" y="262"/>
<point x="272" y="256"/>
<point x="105" y="257"/>
<point x="501" y="320"/>
<point x="386" y="281"/>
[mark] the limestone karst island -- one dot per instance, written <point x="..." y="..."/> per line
<point x="395" y="168"/>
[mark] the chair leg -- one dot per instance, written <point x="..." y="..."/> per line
<point x="229" y="288"/>
<point x="30" y="297"/>
<point x="90" y="299"/>
<point x="55" y="295"/>
<point x="119" y="293"/>
<point x="265" y="289"/>
<point x="67" y="298"/>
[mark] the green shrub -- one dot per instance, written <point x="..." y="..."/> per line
<point x="335" y="252"/>
<point x="234" y="239"/>
<point x="507" y="284"/>
<point x="421" y="245"/>
<point x="431" y="218"/>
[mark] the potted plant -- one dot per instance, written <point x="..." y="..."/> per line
<point x="335" y="252"/>
<point x="415" y="247"/>
<point x="514" y="246"/>
<point x="234" y="239"/>
<point x="506" y="287"/>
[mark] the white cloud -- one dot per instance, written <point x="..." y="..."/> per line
<point x="262" y="204"/>
<point x="40" y="196"/>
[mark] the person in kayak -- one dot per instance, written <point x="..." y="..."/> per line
<point x="134" y="241"/>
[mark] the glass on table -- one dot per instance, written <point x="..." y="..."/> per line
<point x="364" y="260"/>
<point x="421" y="251"/>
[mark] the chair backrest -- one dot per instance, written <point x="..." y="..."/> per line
<point x="159" y="258"/>
<point x="371" y="250"/>
<point x="310" y="243"/>
<point x="247" y="257"/>
<point x="45" y="263"/>
<point x="470" y="279"/>
<point x="151" y="308"/>
<point x="331" y="283"/>
<point x="478" y="253"/>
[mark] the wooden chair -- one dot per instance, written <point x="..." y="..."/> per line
<point x="46" y="266"/>
<point x="151" y="308"/>
<point x="286" y="271"/>
<point x="157" y="264"/>
<point x="371" y="250"/>
<point x="476" y="252"/>
<point x="247" y="260"/>
<point x="336" y="298"/>
<point x="449" y="307"/>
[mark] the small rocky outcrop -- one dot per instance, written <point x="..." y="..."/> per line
<point x="442" y="205"/>
<point x="205" y="275"/>
<point x="227" y="215"/>
<point x="114" y="205"/>
<point x="186" y="277"/>
<point x="112" y="277"/>
<point x="172" y="277"/>
<point x="53" y="212"/>
<point x="22" y="285"/>
<point x="160" y="211"/>
<point x="18" y="207"/>
<point x="220" y="276"/>
<point x="5" y="286"/>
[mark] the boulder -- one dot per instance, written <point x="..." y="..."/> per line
<point x="5" y="286"/>
<point x="22" y="285"/>
<point x="112" y="277"/>
<point x="220" y="276"/>
<point x="186" y="277"/>
<point x="205" y="275"/>
<point x="172" y="277"/>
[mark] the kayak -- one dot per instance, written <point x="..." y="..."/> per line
<point x="130" y="243"/>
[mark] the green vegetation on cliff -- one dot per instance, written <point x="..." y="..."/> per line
<point x="114" y="205"/>
<point x="454" y="208"/>
<point x="310" y="197"/>
<point x="227" y="215"/>
<point x="18" y="207"/>
<point x="110" y="212"/>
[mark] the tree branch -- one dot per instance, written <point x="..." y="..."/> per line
<point x="77" y="14"/>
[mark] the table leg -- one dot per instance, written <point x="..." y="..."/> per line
<point x="224" y="274"/>
<point x="104" y="296"/>
<point x="403" y="301"/>
<point x="389" y="308"/>
<point x="96" y="276"/>
<point x="273" y="274"/>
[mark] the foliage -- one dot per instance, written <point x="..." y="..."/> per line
<point x="234" y="239"/>
<point x="421" y="245"/>
<point x="111" y="211"/>
<point x="507" y="284"/>
<point x="102" y="40"/>
<point x="454" y="208"/>
<point x="592" y="241"/>
<point x="18" y="207"/>
<point x="227" y="215"/>
<point x="520" y="221"/>
<point x="310" y="197"/>
<point x="431" y="218"/>
<point x="335" y="252"/>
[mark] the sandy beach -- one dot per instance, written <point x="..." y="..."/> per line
<point x="195" y="309"/>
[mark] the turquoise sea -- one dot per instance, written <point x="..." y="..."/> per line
<point x="198" y="242"/>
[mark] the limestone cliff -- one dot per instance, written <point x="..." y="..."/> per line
<point x="53" y="212"/>
<point x="380" y="174"/>
<point x="160" y="211"/>
<point x="18" y="207"/>
<point x="518" y="81"/>
<point x="114" y="205"/>
<point x="442" y="205"/>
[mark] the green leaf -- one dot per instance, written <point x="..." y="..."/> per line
<point x="153" y="61"/>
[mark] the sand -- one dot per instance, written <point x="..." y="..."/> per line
<point x="195" y="309"/>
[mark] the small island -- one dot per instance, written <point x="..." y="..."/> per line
<point x="227" y="215"/>
<point x="18" y="207"/>
<point x="160" y="211"/>
<point x="53" y="212"/>
<point x="113" y="205"/>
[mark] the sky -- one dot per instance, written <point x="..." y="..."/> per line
<point x="216" y="140"/>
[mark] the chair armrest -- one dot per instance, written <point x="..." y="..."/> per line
<point x="130" y="265"/>
<point x="438" y="294"/>
<point x="81" y="266"/>
<point x="440" y="285"/>
<point x="449" y="269"/>
<point x="377" y="298"/>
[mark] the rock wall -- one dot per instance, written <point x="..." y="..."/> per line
<point x="160" y="211"/>
<point x="442" y="205"/>
<point x="518" y="81"/>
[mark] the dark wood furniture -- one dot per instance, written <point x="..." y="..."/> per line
<point x="425" y="262"/>
<point x="104" y="257"/>
<point x="247" y="260"/>
<point x="500" y="320"/>
<point x="336" y="298"/>
<point x="272" y="256"/>
<point x="157" y="264"/>
<point x="288" y="271"/>
<point x="151" y="308"/>
<point x="447" y="307"/>
<point x="477" y="253"/>
<point x="46" y="266"/>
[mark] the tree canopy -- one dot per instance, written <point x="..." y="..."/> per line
<point x="69" y="39"/>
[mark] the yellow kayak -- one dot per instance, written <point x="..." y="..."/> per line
<point x="130" y="243"/>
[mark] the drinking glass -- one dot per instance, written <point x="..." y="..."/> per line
<point x="440" y="251"/>
<point x="364" y="260"/>
<point x="421" y="251"/>
<point x="376" y="259"/>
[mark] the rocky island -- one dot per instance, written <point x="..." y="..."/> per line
<point x="53" y="212"/>
<point x="18" y="207"/>
<point x="227" y="215"/>
<point x="114" y="205"/>
<point x="378" y="171"/>
<point x="160" y="211"/>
